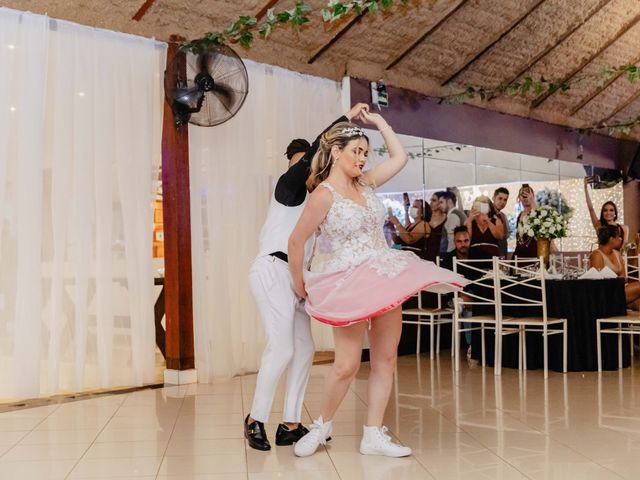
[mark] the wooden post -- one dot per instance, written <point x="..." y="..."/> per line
<point x="176" y="210"/>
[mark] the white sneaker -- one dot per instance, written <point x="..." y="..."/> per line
<point x="375" y="441"/>
<point x="318" y="434"/>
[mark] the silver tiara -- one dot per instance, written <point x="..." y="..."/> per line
<point x="352" y="132"/>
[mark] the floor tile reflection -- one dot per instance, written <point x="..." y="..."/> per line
<point x="465" y="424"/>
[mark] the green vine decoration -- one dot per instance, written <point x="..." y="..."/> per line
<point x="336" y="9"/>
<point x="243" y="31"/>
<point x="538" y="86"/>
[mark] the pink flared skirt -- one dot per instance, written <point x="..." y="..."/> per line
<point x="362" y="292"/>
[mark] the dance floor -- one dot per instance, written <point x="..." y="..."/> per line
<point x="468" y="425"/>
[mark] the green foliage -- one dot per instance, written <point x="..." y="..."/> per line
<point x="336" y="9"/>
<point x="242" y="30"/>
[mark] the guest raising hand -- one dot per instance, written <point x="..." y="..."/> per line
<point x="608" y="213"/>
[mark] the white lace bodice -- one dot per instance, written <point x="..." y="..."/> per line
<point x="355" y="234"/>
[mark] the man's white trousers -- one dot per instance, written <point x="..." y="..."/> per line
<point x="289" y="342"/>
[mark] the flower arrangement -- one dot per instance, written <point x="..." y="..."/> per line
<point x="630" y="248"/>
<point x="555" y="199"/>
<point x="544" y="222"/>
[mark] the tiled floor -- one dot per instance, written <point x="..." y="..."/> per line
<point x="469" y="425"/>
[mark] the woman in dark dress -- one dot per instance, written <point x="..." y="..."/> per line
<point x="414" y="236"/>
<point x="438" y="218"/>
<point x="485" y="229"/>
<point x="525" y="246"/>
<point x="608" y="214"/>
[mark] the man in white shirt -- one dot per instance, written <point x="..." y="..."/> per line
<point x="500" y="199"/>
<point x="455" y="218"/>
<point x="289" y="343"/>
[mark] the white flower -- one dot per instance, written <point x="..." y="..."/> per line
<point x="543" y="213"/>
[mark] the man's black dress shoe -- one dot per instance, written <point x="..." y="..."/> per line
<point x="254" y="432"/>
<point x="285" y="436"/>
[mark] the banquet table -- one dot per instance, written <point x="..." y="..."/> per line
<point x="581" y="302"/>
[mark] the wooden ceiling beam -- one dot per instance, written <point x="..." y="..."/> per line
<point x="538" y="101"/>
<point x="621" y="107"/>
<point x="585" y="100"/>
<point x="337" y="37"/>
<point x="564" y="36"/>
<point x="490" y="45"/>
<point x="142" y="10"/>
<point x="425" y="35"/>
<point x="263" y="11"/>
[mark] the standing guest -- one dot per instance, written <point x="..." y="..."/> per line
<point x="608" y="213"/>
<point x="486" y="229"/>
<point x="455" y="218"/>
<point x="436" y="224"/>
<point x="500" y="199"/>
<point x="415" y="235"/>
<point x="608" y="255"/>
<point x="525" y="246"/>
<point x="289" y="342"/>
<point x="361" y="284"/>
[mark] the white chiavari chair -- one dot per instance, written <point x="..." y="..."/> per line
<point x="479" y="295"/>
<point x="628" y="324"/>
<point x="434" y="317"/>
<point x="524" y="287"/>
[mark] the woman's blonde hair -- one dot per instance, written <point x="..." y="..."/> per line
<point x="337" y="136"/>
<point x="484" y="199"/>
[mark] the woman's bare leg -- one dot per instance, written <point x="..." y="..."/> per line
<point x="632" y="291"/>
<point x="348" y="344"/>
<point x="384" y="337"/>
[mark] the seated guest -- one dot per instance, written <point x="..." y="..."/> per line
<point x="461" y="240"/>
<point x="455" y="217"/>
<point x="608" y="255"/>
<point x="500" y="199"/>
<point x="485" y="228"/>
<point x="525" y="246"/>
<point x="414" y="236"/>
<point x="608" y="214"/>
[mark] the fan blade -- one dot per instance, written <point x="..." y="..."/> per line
<point x="216" y="63"/>
<point x="227" y="95"/>
<point x="230" y="73"/>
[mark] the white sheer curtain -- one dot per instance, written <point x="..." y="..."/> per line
<point x="80" y="130"/>
<point x="233" y="169"/>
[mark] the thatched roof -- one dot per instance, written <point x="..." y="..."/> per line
<point x="432" y="47"/>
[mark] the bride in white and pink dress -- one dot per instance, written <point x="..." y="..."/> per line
<point x="362" y="282"/>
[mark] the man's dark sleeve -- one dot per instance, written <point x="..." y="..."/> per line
<point x="291" y="189"/>
<point x="447" y="260"/>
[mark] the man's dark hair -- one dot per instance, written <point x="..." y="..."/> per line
<point x="500" y="190"/>
<point x="447" y="195"/>
<point x="296" y="146"/>
<point x="607" y="232"/>
<point x="460" y="229"/>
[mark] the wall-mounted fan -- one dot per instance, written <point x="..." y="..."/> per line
<point x="205" y="88"/>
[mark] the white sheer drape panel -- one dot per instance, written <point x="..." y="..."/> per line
<point x="233" y="168"/>
<point x="80" y="130"/>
